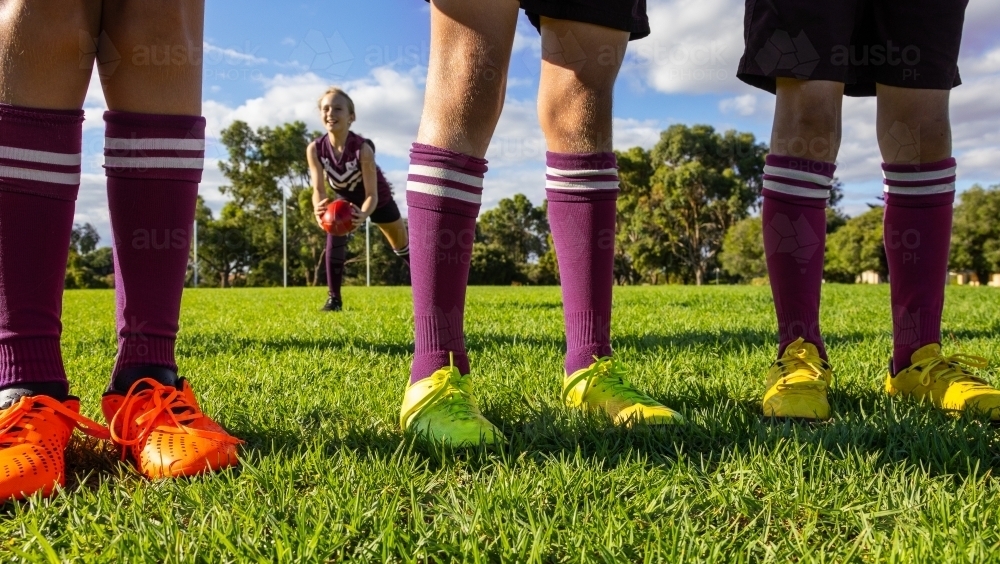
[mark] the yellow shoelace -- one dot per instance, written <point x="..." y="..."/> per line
<point x="609" y="374"/>
<point x="149" y="404"/>
<point x="953" y="370"/>
<point x="802" y="358"/>
<point x="453" y="394"/>
<point x="17" y="418"/>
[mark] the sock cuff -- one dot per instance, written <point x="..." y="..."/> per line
<point x="926" y="184"/>
<point x="31" y="360"/>
<point x="581" y="174"/>
<point x="798" y="181"/>
<point x="41" y="151"/>
<point x="442" y="180"/>
<point x="144" y="351"/>
<point x="154" y="146"/>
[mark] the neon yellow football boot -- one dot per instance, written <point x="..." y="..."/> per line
<point x="602" y="386"/>
<point x="441" y="407"/>
<point x="946" y="382"/>
<point x="797" y="384"/>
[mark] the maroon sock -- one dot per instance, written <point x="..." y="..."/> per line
<point x="794" y="219"/>
<point x="39" y="181"/>
<point x="917" y="235"/>
<point x="582" y="190"/>
<point x="336" y="254"/>
<point x="443" y="192"/>
<point x="153" y="164"/>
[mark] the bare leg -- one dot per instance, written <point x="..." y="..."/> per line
<point x="580" y="63"/>
<point x="807" y="119"/>
<point x="395" y="233"/>
<point x="47" y="52"/>
<point x="467" y="74"/>
<point x="912" y="125"/>
<point x="160" y="43"/>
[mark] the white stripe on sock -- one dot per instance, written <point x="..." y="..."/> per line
<point x="39" y="175"/>
<point x="598" y="185"/>
<point x="574" y="173"/>
<point x="153" y="162"/>
<point x="817" y="193"/>
<point x="43" y="157"/>
<point x="916" y="176"/>
<point x="153" y="144"/>
<point x="446" y="174"/>
<point x="920" y="190"/>
<point x="795" y="174"/>
<point x="443" y="192"/>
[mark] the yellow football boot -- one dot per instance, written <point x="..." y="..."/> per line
<point x="797" y="384"/>
<point x="602" y="386"/>
<point x="441" y="407"/>
<point x="946" y="382"/>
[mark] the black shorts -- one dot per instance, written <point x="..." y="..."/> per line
<point x="905" y="43"/>
<point x="387" y="213"/>
<point x="626" y="15"/>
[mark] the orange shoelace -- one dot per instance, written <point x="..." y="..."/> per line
<point x="17" y="418"/>
<point x="148" y="404"/>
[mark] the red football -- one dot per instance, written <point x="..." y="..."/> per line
<point x="338" y="219"/>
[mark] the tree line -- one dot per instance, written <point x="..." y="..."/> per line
<point x="687" y="213"/>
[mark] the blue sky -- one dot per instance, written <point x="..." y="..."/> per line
<point x="267" y="62"/>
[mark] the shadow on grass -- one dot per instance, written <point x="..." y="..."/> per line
<point x="889" y="433"/>
<point x="228" y="344"/>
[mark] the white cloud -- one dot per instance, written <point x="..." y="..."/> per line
<point x="387" y="102"/>
<point x="745" y="105"/>
<point x="245" y="56"/>
<point x="695" y="46"/>
<point x="629" y="132"/>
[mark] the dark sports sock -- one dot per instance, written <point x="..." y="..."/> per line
<point x="154" y="165"/>
<point x="336" y="254"/>
<point x="443" y="192"/>
<point x="582" y="190"/>
<point x="39" y="181"/>
<point x="128" y="376"/>
<point x="794" y="220"/>
<point x="917" y="235"/>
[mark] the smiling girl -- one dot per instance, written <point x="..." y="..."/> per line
<point x="346" y="161"/>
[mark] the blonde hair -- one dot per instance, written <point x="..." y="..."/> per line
<point x="337" y="92"/>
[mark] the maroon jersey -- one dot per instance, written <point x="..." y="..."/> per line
<point x="344" y="173"/>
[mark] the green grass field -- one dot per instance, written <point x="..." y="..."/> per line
<point x="327" y="475"/>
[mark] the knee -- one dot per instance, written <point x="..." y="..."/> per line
<point x="68" y="28"/>
<point x="469" y="83"/>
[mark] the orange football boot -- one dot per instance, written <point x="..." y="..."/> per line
<point x="34" y="433"/>
<point x="162" y="429"/>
